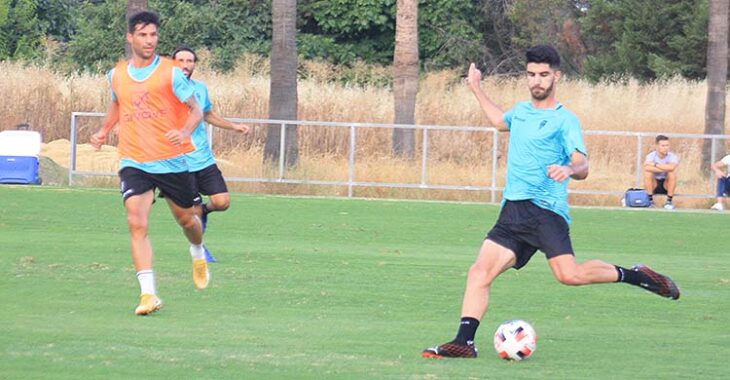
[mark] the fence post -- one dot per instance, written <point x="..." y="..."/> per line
<point x="639" y="163"/>
<point x="351" y="164"/>
<point x="424" y="157"/>
<point x="72" y="163"/>
<point x="282" y="150"/>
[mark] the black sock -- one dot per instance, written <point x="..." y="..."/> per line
<point x="628" y="276"/>
<point x="669" y="198"/>
<point x="467" y="330"/>
<point x="205" y="208"/>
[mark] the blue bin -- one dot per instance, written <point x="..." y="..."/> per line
<point x="19" y="170"/>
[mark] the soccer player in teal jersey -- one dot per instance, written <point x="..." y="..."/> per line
<point x="546" y="149"/>
<point x="150" y="96"/>
<point x="201" y="162"/>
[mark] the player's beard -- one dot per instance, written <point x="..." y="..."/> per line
<point x="545" y="93"/>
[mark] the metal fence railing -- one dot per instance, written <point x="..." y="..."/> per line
<point x="424" y="148"/>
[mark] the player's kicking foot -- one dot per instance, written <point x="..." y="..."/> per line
<point x="451" y="350"/>
<point x="148" y="304"/>
<point x="201" y="275"/>
<point x="209" y="256"/>
<point x="657" y="282"/>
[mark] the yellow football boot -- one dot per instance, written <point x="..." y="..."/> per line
<point x="148" y="303"/>
<point x="201" y="275"/>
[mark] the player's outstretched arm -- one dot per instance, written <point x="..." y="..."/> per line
<point x="214" y="119"/>
<point x="111" y="119"/>
<point x="494" y="114"/>
<point x="577" y="169"/>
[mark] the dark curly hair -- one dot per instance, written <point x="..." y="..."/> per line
<point x="543" y="54"/>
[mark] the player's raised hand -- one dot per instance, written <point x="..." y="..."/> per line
<point x="98" y="139"/>
<point x="560" y="173"/>
<point x="474" y="77"/>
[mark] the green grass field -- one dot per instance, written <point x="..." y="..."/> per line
<point x="311" y="288"/>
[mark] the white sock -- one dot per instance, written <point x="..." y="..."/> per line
<point x="197" y="252"/>
<point x="146" y="278"/>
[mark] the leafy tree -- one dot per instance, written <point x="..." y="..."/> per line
<point x="21" y="31"/>
<point x="59" y="16"/>
<point x="551" y="22"/>
<point x="226" y="27"/>
<point x="4" y="33"/>
<point x="449" y="33"/>
<point x="346" y="30"/>
<point x="100" y="38"/>
<point x="238" y="26"/>
<point x="646" y="39"/>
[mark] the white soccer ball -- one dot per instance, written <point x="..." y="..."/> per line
<point x="515" y="340"/>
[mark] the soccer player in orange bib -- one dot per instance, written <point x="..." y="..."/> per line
<point x="156" y="110"/>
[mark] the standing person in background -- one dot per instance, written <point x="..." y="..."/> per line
<point x="201" y="163"/>
<point x="156" y="111"/>
<point x="660" y="171"/>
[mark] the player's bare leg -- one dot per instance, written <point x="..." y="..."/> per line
<point x="188" y="220"/>
<point x="649" y="183"/>
<point x="492" y="261"/>
<point x="670" y="184"/>
<point x="217" y="202"/>
<point x="569" y="272"/>
<point x="193" y="229"/>
<point x="138" y="213"/>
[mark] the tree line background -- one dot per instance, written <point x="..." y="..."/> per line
<point x="598" y="39"/>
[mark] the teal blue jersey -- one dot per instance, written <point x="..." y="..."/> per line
<point x="202" y="157"/>
<point x="183" y="90"/>
<point x="539" y="138"/>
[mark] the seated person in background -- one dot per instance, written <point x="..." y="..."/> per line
<point x="722" y="172"/>
<point x="660" y="175"/>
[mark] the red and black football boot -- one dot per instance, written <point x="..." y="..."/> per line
<point x="451" y="350"/>
<point x="657" y="282"/>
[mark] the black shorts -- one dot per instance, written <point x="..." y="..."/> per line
<point x="659" y="189"/>
<point x="210" y="181"/>
<point x="179" y="187"/>
<point x="524" y="227"/>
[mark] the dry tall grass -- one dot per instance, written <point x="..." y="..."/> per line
<point x="45" y="101"/>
